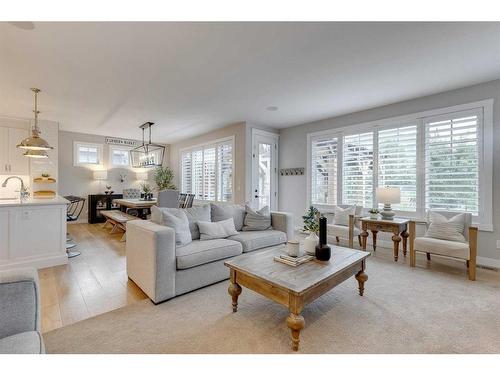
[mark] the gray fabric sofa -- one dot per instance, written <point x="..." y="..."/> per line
<point x="164" y="271"/>
<point x="20" y="312"/>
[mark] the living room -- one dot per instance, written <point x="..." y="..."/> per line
<point x="190" y="187"/>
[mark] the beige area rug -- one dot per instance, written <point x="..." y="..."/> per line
<point x="404" y="310"/>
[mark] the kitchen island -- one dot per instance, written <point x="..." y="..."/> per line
<point x="33" y="232"/>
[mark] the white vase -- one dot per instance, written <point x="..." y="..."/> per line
<point x="310" y="243"/>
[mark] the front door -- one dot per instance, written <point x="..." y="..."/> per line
<point x="264" y="169"/>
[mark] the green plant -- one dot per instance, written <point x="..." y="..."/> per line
<point x="311" y="220"/>
<point x="146" y="189"/>
<point x="45" y="174"/>
<point x="163" y="178"/>
<point x="374" y="211"/>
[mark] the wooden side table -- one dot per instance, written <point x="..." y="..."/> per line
<point x="398" y="227"/>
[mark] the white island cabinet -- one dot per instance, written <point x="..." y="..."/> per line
<point x="33" y="233"/>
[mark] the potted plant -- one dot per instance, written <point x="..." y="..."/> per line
<point x="311" y="225"/>
<point x="373" y="213"/>
<point x="147" y="191"/>
<point x="163" y="178"/>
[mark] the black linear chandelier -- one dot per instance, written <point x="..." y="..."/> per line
<point x="149" y="154"/>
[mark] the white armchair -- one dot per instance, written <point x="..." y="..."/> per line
<point x="454" y="249"/>
<point x="346" y="229"/>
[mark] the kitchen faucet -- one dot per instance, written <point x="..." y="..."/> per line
<point x="24" y="193"/>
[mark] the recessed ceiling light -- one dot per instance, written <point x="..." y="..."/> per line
<point x="272" y="108"/>
<point x="23" y="25"/>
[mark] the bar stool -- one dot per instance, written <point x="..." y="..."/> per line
<point x="75" y="208"/>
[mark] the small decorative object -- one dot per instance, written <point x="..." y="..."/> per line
<point x="293" y="261"/>
<point x="293" y="248"/>
<point x="292" y="171"/>
<point x="323" y="251"/>
<point x="122" y="178"/>
<point x="311" y="225"/>
<point x="163" y="178"/>
<point x="373" y="213"/>
<point x="108" y="190"/>
<point x="147" y="191"/>
<point x="45" y="175"/>
<point x="388" y="195"/>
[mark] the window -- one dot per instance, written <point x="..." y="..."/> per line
<point x="357" y="170"/>
<point x="440" y="159"/>
<point x="324" y="171"/>
<point x="451" y="162"/>
<point x="207" y="171"/>
<point x="397" y="164"/>
<point x="119" y="156"/>
<point x="87" y="154"/>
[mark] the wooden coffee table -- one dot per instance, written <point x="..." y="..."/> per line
<point x="294" y="287"/>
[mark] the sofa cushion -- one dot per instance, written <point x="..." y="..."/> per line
<point x="30" y="342"/>
<point x="223" y="211"/>
<point x="442" y="247"/>
<point x="174" y="218"/>
<point x="200" y="252"/>
<point x="255" y="240"/>
<point x="257" y="220"/>
<point x="195" y="214"/>
<point x="218" y="229"/>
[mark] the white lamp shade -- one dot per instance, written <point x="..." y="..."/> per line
<point x="388" y="195"/>
<point x="141" y="176"/>
<point x="100" y="175"/>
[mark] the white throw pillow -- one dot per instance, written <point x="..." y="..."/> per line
<point x="174" y="218"/>
<point x="341" y="215"/>
<point x="217" y="229"/>
<point x="446" y="229"/>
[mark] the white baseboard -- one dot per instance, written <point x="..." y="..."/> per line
<point x="488" y="262"/>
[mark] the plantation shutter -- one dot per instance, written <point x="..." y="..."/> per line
<point x="225" y="172"/>
<point x="187" y="172"/>
<point x="324" y="171"/>
<point x="451" y="162"/>
<point x="397" y="164"/>
<point x="197" y="183"/>
<point x="209" y="174"/>
<point x="357" y="179"/>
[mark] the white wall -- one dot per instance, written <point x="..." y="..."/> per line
<point x="293" y="149"/>
<point x="79" y="180"/>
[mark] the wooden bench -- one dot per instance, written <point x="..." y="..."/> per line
<point x="118" y="219"/>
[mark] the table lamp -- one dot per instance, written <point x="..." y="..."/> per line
<point x="388" y="195"/>
<point x="100" y="175"/>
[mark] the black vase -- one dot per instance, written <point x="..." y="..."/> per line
<point x="323" y="251"/>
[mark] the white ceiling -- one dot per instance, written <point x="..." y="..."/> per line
<point x="189" y="78"/>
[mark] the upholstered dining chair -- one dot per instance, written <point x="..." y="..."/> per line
<point x="344" y="223"/>
<point x="132" y="194"/>
<point x="448" y="248"/>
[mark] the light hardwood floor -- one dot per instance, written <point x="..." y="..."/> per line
<point x="91" y="284"/>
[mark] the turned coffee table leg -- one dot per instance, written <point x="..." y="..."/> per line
<point x="405" y="236"/>
<point x="234" y="290"/>
<point x="361" y="276"/>
<point x="295" y="322"/>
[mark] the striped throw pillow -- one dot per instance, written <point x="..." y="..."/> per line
<point x="446" y="229"/>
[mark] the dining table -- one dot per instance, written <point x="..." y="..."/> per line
<point x="135" y="203"/>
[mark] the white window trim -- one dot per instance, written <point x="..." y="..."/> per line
<point x="121" y="148"/>
<point x="100" y="153"/>
<point x="485" y="145"/>
<point x="199" y="146"/>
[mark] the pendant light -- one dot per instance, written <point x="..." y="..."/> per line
<point x="35" y="143"/>
<point x="149" y="154"/>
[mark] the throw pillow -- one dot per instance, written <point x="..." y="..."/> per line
<point x="341" y="215"/>
<point x="174" y="218"/>
<point x="446" y="229"/>
<point x="219" y="229"/>
<point x="224" y="211"/>
<point x="195" y="214"/>
<point x="257" y="220"/>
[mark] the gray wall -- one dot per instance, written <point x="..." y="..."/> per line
<point x="293" y="148"/>
<point x="79" y="180"/>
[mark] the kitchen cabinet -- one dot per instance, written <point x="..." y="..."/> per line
<point x="12" y="161"/>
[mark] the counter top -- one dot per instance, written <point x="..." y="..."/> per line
<point x="58" y="200"/>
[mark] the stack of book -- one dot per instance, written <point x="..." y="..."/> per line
<point x="293" y="261"/>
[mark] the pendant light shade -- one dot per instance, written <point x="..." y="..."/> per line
<point x="36" y="154"/>
<point x="149" y="154"/>
<point x="35" y="143"/>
